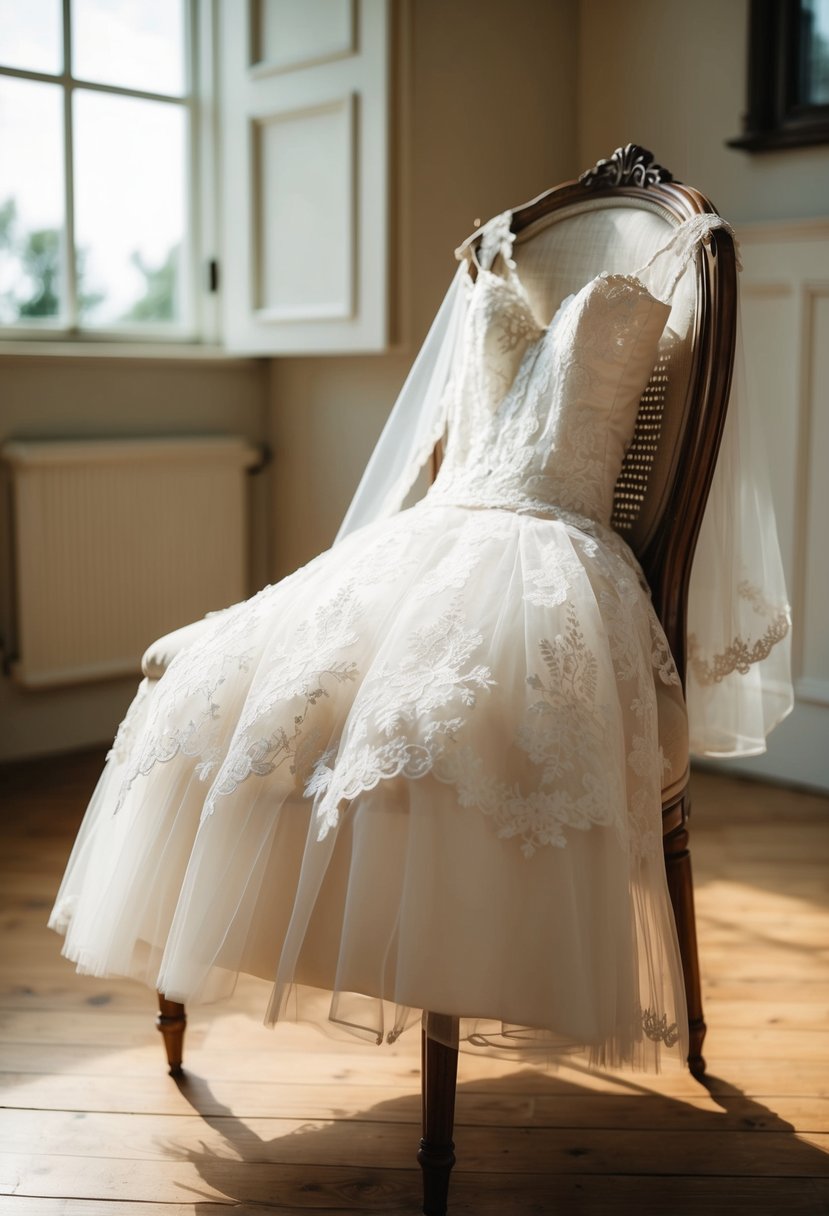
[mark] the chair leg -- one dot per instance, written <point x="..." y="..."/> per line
<point x="171" y="1021"/>
<point x="439" y="1078"/>
<point x="681" y="888"/>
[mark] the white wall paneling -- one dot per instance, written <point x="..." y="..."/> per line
<point x="305" y="168"/>
<point x="813" y="581"/>
<point x="785" y="291"/>
<point x="288" y="34"/>
<point x="302" y="196"/>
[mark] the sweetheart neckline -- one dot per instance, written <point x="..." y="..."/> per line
<point x="515" y="283"/>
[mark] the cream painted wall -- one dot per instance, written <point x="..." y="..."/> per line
<point x="672" y="76"/>
<point x="487" y="121"/>
<point x="76" y="397"/>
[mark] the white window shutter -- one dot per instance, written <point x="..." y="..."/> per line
<point x="304" y="172"/>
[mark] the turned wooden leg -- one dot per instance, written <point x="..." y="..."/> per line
<point x="681" y="888"/>
<point x="438" y="1081"/>
<point x="171" y="1021"/>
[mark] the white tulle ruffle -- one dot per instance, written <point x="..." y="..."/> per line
<point x="384" y="788"/>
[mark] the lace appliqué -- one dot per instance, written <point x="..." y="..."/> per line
<point x="563" y="730"/>
<point x="524" y="429"/>
<point x="664" y="270"/>
<point x="549" y="584"/>
<point x="657" y="1029"/>
<point x="404" y="712"/>
<point x="636" y="637"/>
<point x="299" y="748"/>
<point x="453" y="570"/>
<point x="743" y="652"/>
<point x="334" y="729"/>
<point x="661" y="657"/>
<point x="516" y="329"/>
<point x="127" y="732"/>
<point x="493" y="237"/>
<point x="186" y="716"/>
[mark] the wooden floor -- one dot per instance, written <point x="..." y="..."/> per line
<point x="292" y="1122"/>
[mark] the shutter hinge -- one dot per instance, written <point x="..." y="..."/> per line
<point x="212" y="276"/>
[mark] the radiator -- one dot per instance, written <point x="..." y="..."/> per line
<point x="117" y="542"/>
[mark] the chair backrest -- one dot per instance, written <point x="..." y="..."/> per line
<point x="613" y="218"/>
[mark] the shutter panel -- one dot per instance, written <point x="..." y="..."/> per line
<point x="304" y="169"/>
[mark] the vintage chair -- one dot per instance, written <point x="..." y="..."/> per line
<point x="612" y="218"/>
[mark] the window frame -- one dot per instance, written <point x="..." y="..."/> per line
<point x="199" y="287"/>
<point x="775" y="119"/>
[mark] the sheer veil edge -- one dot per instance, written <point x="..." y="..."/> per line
<point x="738" y="685"/>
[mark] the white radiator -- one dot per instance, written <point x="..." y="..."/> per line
<point x="117" y="542"/>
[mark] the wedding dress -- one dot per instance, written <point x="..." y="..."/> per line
<point x="424" y="771"/>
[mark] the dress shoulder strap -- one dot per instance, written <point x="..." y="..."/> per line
<point x="487" y="242"/>
<point x="666" y="267"/>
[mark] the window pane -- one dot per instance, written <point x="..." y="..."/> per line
<point x="130" y="199"/>
<point x="138" y="44"/>
<point x="814" y="53"/>
<point x="31" y="200"/>
<point x="31" y="35"/>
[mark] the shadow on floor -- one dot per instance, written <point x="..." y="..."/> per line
<point x="523" y="1168"/>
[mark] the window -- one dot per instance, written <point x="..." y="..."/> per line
<point x="98" y="163"/>
<point x="788" y="75"/>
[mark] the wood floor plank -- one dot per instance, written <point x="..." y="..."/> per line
<point x="114" y="1028"/>
<point x="752" y="1077"/>
<point x="722" y="986"/>
<point x="749" y="1014"/>
<point x="362" y="1142"/>
<point x="497" y="1105"/>
<point x="293" y="1121"/>
<point x="23" y="1205"/>
<point x="396" y="1192"/>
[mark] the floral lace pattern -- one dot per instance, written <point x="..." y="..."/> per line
<point x="391" y="671"/>
<point x="435" y="681"/>
<point x="656" y="1027"/>
<point x="528" y="425"/>
<point x="745" y="650"/>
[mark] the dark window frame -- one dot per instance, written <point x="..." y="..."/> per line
<point x="775" y="117"/>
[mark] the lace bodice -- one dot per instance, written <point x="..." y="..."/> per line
<point x="540" y="416"/>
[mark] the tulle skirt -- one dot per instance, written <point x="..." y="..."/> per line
<point x="421" y="774"/>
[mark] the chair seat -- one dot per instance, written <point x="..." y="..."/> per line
<point x="673" y="728"/>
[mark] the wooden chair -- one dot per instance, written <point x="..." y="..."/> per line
<point x="610" y="219"/>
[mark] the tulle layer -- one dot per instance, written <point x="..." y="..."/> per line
<point x="739" y="679"/>
<point x="423" y="773"/>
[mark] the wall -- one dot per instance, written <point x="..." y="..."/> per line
<point x="672" y="76"/>
<point x="78" y="396"/>
<point x="486" y="122"/>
